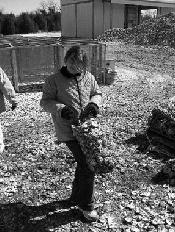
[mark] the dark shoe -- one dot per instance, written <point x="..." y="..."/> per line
<point x="90" y="216"/>
<point x="73" y="202"/>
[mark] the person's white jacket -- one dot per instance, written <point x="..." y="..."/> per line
<point x="60" y="91"/>
<point x="6" y="90"/>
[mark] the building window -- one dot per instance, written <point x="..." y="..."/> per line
<point x="135" y="14"/>
<point x="146" y="14"/>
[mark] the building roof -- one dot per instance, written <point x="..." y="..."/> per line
<point x="159" y="3"/>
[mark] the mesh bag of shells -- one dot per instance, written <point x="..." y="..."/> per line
<point x="91" y="138"/>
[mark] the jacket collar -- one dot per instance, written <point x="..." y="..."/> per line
<point x="67" y="74"/>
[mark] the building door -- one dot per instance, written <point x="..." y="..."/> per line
<point x="131" y="16"/>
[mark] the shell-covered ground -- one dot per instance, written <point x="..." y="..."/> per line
<point x="36" y="173"/>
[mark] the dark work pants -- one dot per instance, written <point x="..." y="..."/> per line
<point x="83" y="184"/>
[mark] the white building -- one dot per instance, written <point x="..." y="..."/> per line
<point x="90" y="18"/>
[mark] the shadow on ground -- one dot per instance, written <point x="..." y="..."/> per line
<point x="140" y="139"/>
<point x="161" y="179"/>
<point x="18" y="217"/>
<point x="156" y="152"/>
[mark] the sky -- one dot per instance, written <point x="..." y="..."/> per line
<point x="18" y="6"/>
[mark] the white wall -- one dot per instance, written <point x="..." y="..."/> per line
<point x="98" y="18"/>
<point x="84" y="20"/>
<point x="89" y="19"/>
<point x="118" y="15"/>
<point x="68" y="21"/>
<point x="107" y="16"/>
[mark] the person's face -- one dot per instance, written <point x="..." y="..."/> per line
<point x="74" y="65"/>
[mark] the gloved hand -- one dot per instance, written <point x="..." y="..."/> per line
<point x="14" y="105"/>
<point x="91" y="110"/>
<point x="68" y="113"/>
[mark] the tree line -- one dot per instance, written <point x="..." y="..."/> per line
<point x="44" y="19"/>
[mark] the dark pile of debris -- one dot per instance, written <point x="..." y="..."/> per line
<point x="158" y="31"/>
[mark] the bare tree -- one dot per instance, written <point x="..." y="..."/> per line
<point x="1" y="10"/>
<point x="50" y="6"/>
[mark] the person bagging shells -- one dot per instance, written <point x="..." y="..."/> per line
<point x="72" y="96"/>
<point x="6" y="90"/>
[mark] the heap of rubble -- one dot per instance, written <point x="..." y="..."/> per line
<point x="157" y="31"/>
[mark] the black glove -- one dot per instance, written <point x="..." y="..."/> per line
<point x="67" y="113"/>
<point x="91" y="110"/>
<point x="14" y="105"/>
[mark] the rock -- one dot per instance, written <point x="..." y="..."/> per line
<point x="128" y="220"/>
<point x="131" y="206"/>
<point x="168" y="221"/>
<point x="112" y="222"/>
<point x="135" y="229"/>
<point x="157" y="221"/>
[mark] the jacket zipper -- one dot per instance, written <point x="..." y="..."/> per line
<point x="79" y="94"/>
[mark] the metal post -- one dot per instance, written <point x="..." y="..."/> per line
<point x="15" y="75"/>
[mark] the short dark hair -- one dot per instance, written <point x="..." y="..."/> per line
<point x="75" y="51"/>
